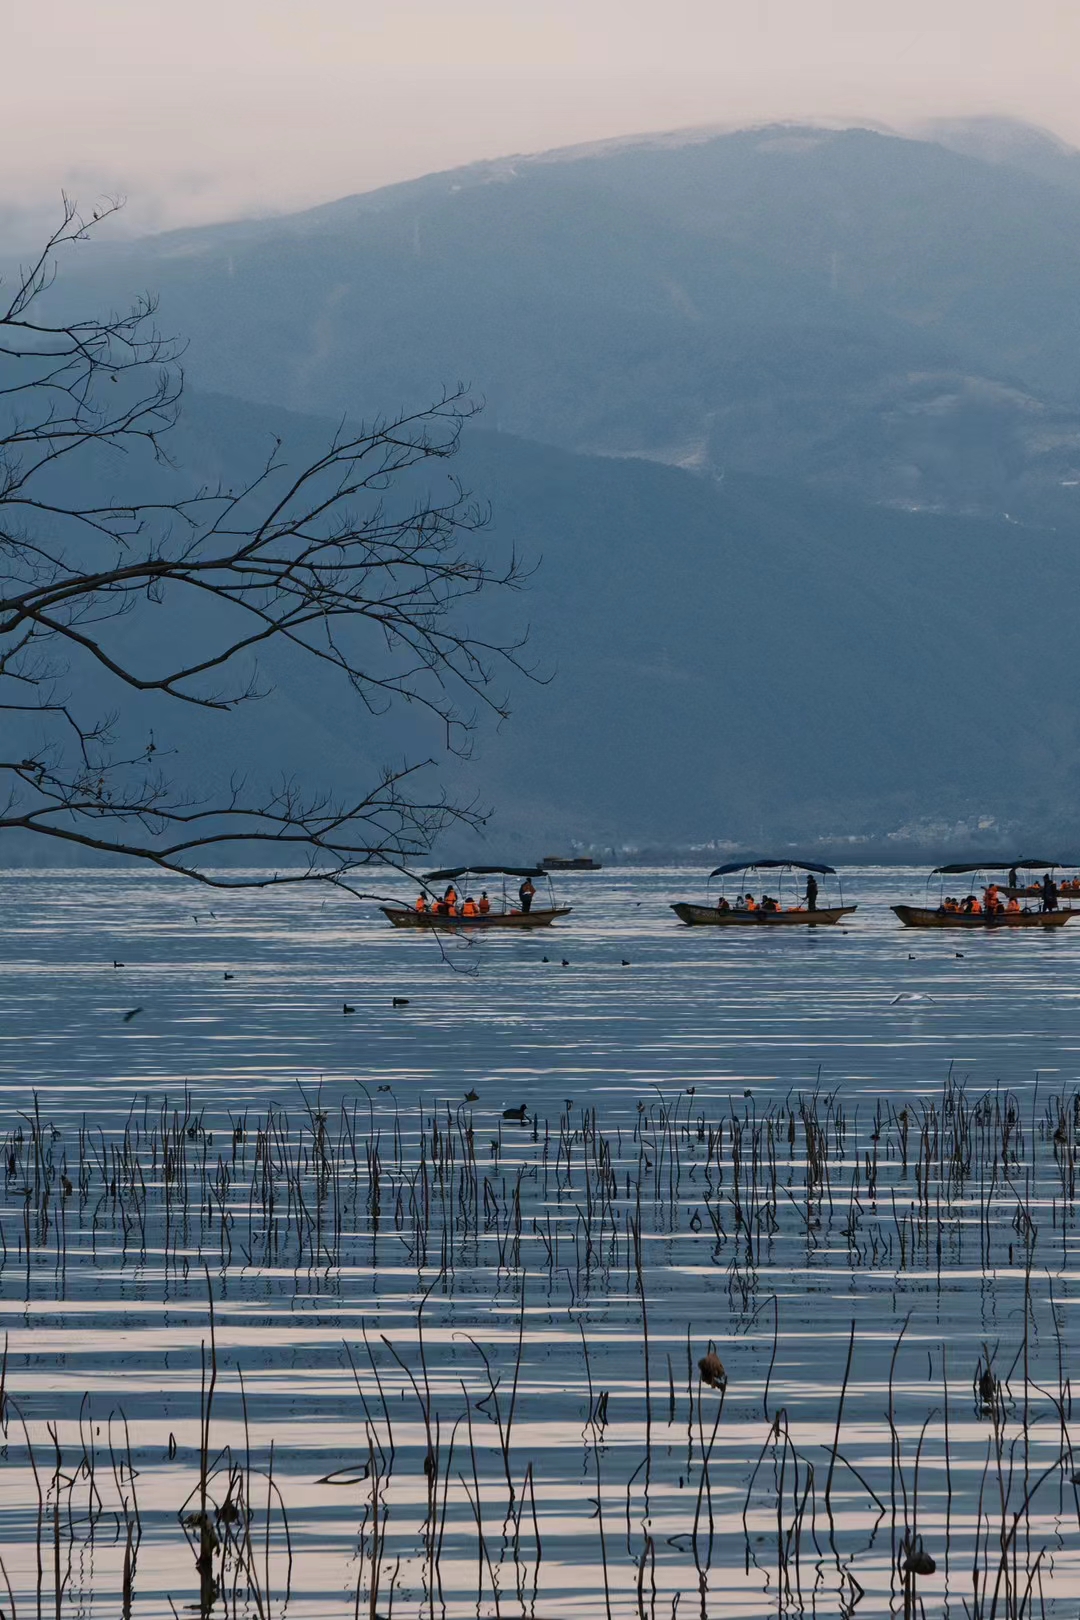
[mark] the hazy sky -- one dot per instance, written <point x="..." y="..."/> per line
<point x="202" y="109"/>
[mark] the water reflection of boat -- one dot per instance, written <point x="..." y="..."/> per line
<point x="503" y="914"/>
<point x="774" y="914"/>
<point x="950" y="914"/>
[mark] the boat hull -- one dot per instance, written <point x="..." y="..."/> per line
<point x="923" y="917"/>
<point x="709" y="917"/>
<point x="405" y="917"/>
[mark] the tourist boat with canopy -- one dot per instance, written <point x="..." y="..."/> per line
<point x="1017" y="889"/>
<point x="949" y="912"/>
<point x="504" y="913"/>
<point x="770" y="911"/>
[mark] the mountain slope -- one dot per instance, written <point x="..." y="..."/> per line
<point x="742" y="659"/>
<point x="873" y="314"/>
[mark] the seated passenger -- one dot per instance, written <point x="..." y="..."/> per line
<point x="1013" y="905"/>
<point x="483" y="905"/>
<point x="740" y="902"/>
<point x="976" y="906"/>
<point x="751" y="903"/>
<point x="722" y="904"/>
<point x="421" y="902"/>
<point x="469" y="909"/>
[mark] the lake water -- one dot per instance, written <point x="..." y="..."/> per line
<point x="754" y="1139"/>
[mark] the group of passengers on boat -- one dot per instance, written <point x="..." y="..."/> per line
<point x="769" y="902"/>
<point x="453" y="905"/>
<point x="995" y="904"/>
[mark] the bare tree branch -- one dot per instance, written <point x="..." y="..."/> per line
<point x="345" y="563"/>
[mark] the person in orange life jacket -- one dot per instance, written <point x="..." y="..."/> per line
<point x="751" y="903"/>
<point x="469" y="908"/>
<point x="483" y="905"/>
<point x="525" y="895"/>
<point x="1013" y="905"/>
<point x="450" y="898"/>
<point x="421" y="902"/>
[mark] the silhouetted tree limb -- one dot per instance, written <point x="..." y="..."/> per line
<point x="341" y="563"/>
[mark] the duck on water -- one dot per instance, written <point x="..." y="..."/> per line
<point x="999" y="905"/>
<point x="753" y="910"/>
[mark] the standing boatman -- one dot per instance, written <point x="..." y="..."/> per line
<point x="525" y="895"/>
<point x="811" y="892"/>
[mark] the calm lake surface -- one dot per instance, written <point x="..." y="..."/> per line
<point x="472" y="1342"/>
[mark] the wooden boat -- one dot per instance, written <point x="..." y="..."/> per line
<point x="711" y="916"/>
<point x="407" y="917"/>
<point x="708" y="916"/>
<point x="924" y="917"/>
<point x="502" y="915"/>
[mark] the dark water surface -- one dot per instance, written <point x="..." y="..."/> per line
<point x="755" y="1139"/>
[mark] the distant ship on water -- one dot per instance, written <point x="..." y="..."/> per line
<point x="570" y="863"/>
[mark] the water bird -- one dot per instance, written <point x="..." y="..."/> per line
<point x="401" y="1001"/>
<point x="712" y="1369"/>
<point x="748" y="1092"/>
<point x="516" y="1113"/>
<point x="565" y="962"/>
<point x="230" y="975"/>
<point x="119" y="964"/>
<point x="910" y="956"/>
<point x="346" y="1008"/>
<point x="919" y="1561"/>
<point x="543" y="959"/>
<point x="959" y="955"/>
<point x="134" y="1013"/>
<point x="625" y="963"/>
<point x="472" y="1096"/>
<point x="384" y="1088"/>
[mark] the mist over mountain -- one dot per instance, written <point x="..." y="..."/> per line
<point x="789" y="423"/>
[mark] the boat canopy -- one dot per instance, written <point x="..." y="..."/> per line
<point x="452" y="872"/>
<point x="955" y="869"/>
<point x="747" y="866"/>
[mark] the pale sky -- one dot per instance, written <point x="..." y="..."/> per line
<point x="206" y="109"/>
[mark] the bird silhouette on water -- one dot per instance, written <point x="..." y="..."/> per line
<point x="625" y="963"/>
<point x="516" y="1113"/>
<point x="230" y="975"/>
<point x="119" y="964"/>
<point x="346" y="1008"/>
<point x="401" y="1001"/>
<point x="134" y="1013"/>
<point x="566" y="961"/>
<point x="472" y="1096"/>
<point x="712" y="1369"/>
<point x="543" y="959"/>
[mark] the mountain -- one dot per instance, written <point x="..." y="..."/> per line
<point x="736" y="658"/>
<point x="878" y="316"/>
<point x="1010" y="143"/>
